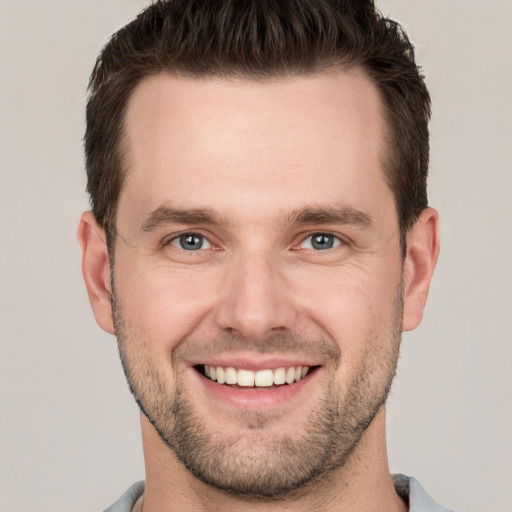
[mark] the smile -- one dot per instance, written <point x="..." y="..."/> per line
<point x="260" y="379"/>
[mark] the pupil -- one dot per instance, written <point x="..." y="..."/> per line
<point x="191" y="242"/>
<point x="321" y="241"/>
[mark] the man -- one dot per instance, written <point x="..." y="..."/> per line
<point x="259" y="238"/>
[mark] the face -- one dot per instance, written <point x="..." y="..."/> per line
<point x="258" y="279"/>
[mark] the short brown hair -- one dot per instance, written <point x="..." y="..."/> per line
<point x="259" y="39"/>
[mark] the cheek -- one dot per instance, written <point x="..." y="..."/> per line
<point x="356" y="305"/>
<point x="165" y="304"/>
<point x="351" y="303"/>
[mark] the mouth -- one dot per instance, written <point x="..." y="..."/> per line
<point x="264" y="379"/>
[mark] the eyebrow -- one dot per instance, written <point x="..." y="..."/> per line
<point x="337" y="215"/>
<point x="165" y="215"/>
<point x="344" y="215"/>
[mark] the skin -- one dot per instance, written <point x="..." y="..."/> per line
<point x="256" y="154"/>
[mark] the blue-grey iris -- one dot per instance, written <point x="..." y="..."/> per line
<point x="191" y="242"/>
<point x="321" y="241"/>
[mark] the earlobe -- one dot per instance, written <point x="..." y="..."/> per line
<point x="96" y="269"/>
<point x="419" y="265"/>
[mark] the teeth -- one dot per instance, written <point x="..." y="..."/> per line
<point x="231" y="375"/>
<point x="279" y="376"/>
<point x="262" y="378"/>
<point x="245" y="378"/>
<point x="221" y="375"/>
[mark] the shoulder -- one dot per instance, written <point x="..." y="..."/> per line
<point x="126" y="502"/>
<point x="410" y="490"/>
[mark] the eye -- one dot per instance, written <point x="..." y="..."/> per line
<point x="190" y="242"/>
<point x="320" y="242"/>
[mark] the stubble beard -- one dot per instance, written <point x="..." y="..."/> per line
<point x="254" y="464"/>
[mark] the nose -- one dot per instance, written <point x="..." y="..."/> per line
<point x="255" y="299"/>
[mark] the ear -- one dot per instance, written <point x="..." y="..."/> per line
<point x="96" y="269"/>
<point x="420" y="261"/>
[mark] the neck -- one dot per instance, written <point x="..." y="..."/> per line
<point x="171" y="487"/>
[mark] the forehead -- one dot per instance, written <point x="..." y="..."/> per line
<point x="232" y="143"/>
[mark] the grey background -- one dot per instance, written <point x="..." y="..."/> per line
<point x="69" y="433"/>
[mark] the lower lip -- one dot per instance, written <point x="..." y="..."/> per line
<point x="250" y="398"/>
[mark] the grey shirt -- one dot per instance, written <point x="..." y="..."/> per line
<point x="408" y="489"/>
